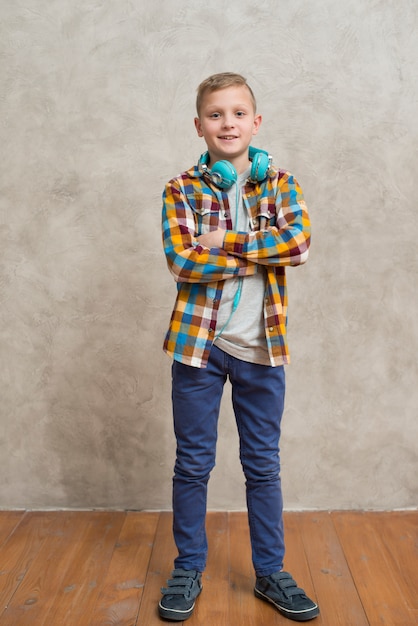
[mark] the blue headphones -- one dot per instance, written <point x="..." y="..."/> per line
<point x="223" y="174"/>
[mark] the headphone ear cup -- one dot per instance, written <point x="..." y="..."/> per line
<point x="223" y="174"/>
<point x="259" y="166"/>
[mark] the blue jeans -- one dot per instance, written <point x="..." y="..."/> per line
<point x="258" y="401"/>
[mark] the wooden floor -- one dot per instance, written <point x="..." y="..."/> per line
<point x="105" y="568"/>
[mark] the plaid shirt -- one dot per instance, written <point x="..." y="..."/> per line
<point x="280" y="236"/>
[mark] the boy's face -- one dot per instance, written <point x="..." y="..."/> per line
<point x="227" y="121"/>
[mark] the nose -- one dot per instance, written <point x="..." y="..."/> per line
<point x="228" y="121"/>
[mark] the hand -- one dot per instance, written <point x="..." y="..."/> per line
<point x="212" y="239"/>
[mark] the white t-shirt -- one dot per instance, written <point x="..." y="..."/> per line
<point x="241" y="332"/>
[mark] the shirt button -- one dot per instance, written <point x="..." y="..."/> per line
<point x="255" y="221"/>
<point x="226" y="214"/>
<point x="210" y="330"/>
<point x="271" y="329"/>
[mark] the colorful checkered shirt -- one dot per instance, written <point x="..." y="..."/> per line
<point x="280" y="236"/>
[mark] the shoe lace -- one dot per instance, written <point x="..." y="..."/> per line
<point x="181" y="583"/>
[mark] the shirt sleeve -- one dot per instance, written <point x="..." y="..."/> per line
<point x="187" y="260"/>
<point x="285" y="243"/>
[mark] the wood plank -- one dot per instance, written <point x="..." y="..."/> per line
<point x="244" y="607"/>
<point x="21" y="548"/>
<point x="338" y="599"/>
<point x="9" y="520"/>
<point x="160" y="568"/>
<point x="33" y="600"/>
<point x="120" y="597"/>
<point x="398" y="531"/>
<point x="88" y="566"/>
<point x="83" y="563"/>
<point x="375" y="580"/>
<point x="295" y="559"/>
<point x="212" y="605"/>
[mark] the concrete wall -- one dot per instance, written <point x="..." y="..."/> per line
<point x="96" y="114"/>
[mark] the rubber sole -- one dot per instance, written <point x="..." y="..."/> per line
<point x="174" y="615"/>
<point x="296" y="616"/>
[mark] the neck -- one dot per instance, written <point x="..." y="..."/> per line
<point x="242" y="166"/>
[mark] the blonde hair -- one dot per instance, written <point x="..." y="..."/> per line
<point x="221" y="81"/>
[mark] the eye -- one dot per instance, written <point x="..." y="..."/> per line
<point x="240" y="113"/>
<point x="215" y="116"/>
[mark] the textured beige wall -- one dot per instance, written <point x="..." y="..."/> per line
<point x="96" y="110"/>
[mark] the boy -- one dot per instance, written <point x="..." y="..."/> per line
<point x="230" y="226"/>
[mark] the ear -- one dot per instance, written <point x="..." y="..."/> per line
<point x="198" y="126"/>
<point x="257" y="122"/>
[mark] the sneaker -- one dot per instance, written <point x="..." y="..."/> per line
<point x="177" y="603"/>
<point x="282" y="591"/>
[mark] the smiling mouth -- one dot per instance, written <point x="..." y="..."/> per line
<point x="228" y="137"/>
